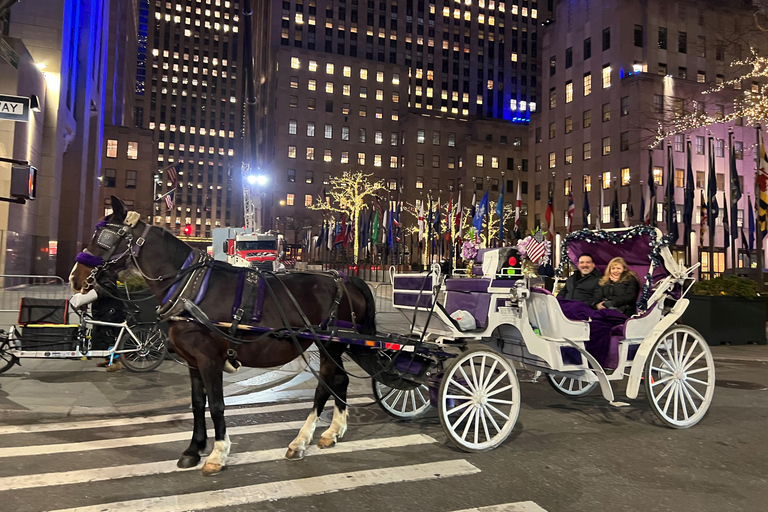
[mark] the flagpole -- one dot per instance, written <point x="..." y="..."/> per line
<point x="729" y="199"/>
<point x="760" y="280"/>
<point x="710" y="217"/>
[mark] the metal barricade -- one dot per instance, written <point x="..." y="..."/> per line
<point x="382" y="292"/>
<point x="14" y="287"/>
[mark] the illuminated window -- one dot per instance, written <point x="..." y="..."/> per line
<point x="606" y="146"/>
<point x="568" y="91"/>
<point x="393" y="162"/>
<point x="606" y="180"/>
<point x="587" y="84"/>
<point x="133" y="151"/>
<point x="361" y="158"/>
<point x="378" y="137"/>
<point x="479" y="160"/>
<point x="395" y="115"/>
<point x="495" y="162"/>
<point x="327" y="156"/>
<point x="312" y="65"/>
<point x="395" y="79"/>
<point x="380" y="76"/>
<point x="291" y="151"/>
<point x="625" y="178"/>
<point x="289" y="199"/>
<point x="295" y="63"/>
<point x="552" y="160"/>
<point x="419" y="182"/>
<point x="606" y="76"/>
<point x="379" y="94"/>
<point x="346" y="71"/>
<point x="329" y="69"/>
<point x="420" y="136"/>
<point x="658" y="175"/>
<point x="587" y="151"/>
<point x="111" y="148"/>
<point x="587" y="183"/>
<point x="377" y="160"/>
<point x="328" y="131"/>
<point x="345" y="157"/>
<point x="346" y="89"/>
<point x="291" y="127"/>
<point x="329" y="87"/>
<point x="363" y="74"/>
<point x="312" y="84"/>
<point x="568" y="156"/>
<point x="363" y="92"/>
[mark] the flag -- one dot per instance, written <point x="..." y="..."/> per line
<point x="474" y="200"/>
<point x="375" y="228"/>
<point x="518" y="206"/>
<point x="650" y="215"/>
<point x="390" y="234"/>
<point x="436" y="224"/>
<point x="585" y="211"/>
<point x="321" y="236"/>
<point x="536" y="248"/>
<point x="762" y="182"/>
<point x="751" y="224"/>
<point x="421" y="220"/>
<point x="615" y="207"/>
<point x="688" y="198"/>
<point x="173" y="177"/>
<point x="480" y="212"/>
<point x="500" y="211"/>
<point x="726" y="227"/>
<point x="642" y="205"/>
<point x="571" y="210"/>
<point x="599" y="216"/>
<point x="712" y="189"/>
<point x="341" y="231"/>
<point x="735" y="190"/>
<point x="396" y="222"/>
<point x="331" y="234"/>
<point x="704" y="221"/>
<point x="549" y="213"/>
<point x="629" y="211"/>
<point x="670" y="199"/>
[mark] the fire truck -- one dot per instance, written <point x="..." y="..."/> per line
<point x="242" y="247"/>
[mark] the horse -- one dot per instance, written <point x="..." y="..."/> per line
<point x="288" y="301"/>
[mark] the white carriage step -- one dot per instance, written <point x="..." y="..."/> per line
<point x="169" y="466"/>
<point x="313" y="486"/>
<point x="520" y="506"/>
<point x="162" y="418"/>
<point x="105" y="444"/>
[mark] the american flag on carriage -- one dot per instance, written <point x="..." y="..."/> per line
<point x="173" y="177"/>
<point x="536" y="249"/>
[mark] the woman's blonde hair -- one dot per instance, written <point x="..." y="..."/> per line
<point x="625" y="274"/>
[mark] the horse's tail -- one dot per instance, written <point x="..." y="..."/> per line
<point x="368" y="322"/>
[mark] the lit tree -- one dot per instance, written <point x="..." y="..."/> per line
<point x="348" y="195"/>
<point x="753" y="106"/>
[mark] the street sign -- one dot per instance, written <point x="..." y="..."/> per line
<point x="14" y="108"/>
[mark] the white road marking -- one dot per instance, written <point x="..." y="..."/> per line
<point x="104" y="444"/>
<point x="169" y="466"/>
<point x="288" y="488"/>
<point x="118" y="422"/>
<point x="520" y="506"/>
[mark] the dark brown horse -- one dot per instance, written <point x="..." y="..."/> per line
<point x="291" y="299"/>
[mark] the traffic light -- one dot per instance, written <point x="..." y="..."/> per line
<point x="188" y="230"/>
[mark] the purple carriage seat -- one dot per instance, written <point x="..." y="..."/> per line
<point x="413" y="291"/>
<point x="545" y="313"/>
<point x="470" y="295"/>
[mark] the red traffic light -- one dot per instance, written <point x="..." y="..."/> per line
<point x="188" y="230"/>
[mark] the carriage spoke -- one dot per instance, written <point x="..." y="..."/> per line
<point x="681" y="356"/>
<point x="490" y="374"/>
<point x="667" y="389"/>
<point x="397" y="398"/>
<point x="490" y="417"/>
<point x="497" y="411"/>
<point x="461" y="418"/>
<point x="405" y="401"/>
<point x="477" y="425"/>
<point x="389" y="395"/>
<point x="697" y="381"/>
<point x="694" y="361"/>
<point x="423" y="400"/>
<point x="485" y="424"/>
<point x="493" y="384"/>
<point x="674" y="348"/>
<point x="690" y="399"/>
<point x="688" y="386"/>
<point x="680" y="400"/>
<point x="458" y="408"/>
<point x="461" y="388"/>
<point x="480" y="378"/>
<point x="470" y="385"/>
<point x="661" y="381"/>
<point x="501" y="390"/>
<point x="705" y="369"/>
<point x="663" y="360"/>
<point x="471" y="418"/>
<point x="661" y="370"/>
<point x="673" y="397"/>
<point x="498" y="401"/>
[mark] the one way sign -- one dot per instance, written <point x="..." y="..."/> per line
<point x="14" y="108"/>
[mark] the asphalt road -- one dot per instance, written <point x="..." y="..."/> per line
<point x="563" y="455"/>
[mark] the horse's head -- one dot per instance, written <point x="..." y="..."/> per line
<point x="110" y="246"/>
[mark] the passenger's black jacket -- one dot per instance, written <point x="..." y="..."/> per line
<point x="621" y="295"/>
<point x="580" y="287"/>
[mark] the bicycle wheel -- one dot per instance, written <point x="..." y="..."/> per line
<point x="7" y="359"/>
<point x="148" y="353"/>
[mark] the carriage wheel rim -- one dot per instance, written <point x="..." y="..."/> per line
<point x="567" y="385"/>
<point x="682" y="378"/>
<point x="480" y="407"/>
<point x="403" y="403"/>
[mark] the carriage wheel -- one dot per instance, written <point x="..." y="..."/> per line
<point x="479" y="400"/>
<point x="680" y="377"/>
<point x="404" y="404"/>
<point x="7" y="358"/>
<point x="571" y="387"/>
<point x="146" y="355"/>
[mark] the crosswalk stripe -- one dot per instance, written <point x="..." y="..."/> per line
<point x="118" y="422"/>
<point x="169" y="466"/>
<point x="302" y="487"/>
<point x="104" y="444"/>
<point x="520" y="506"/>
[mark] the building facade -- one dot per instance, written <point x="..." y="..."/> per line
<point x="423" y="95"/>
<point x="614" y="73"/>
<point x="189" y="94"/>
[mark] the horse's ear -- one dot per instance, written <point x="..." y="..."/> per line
<point x="118" y="210"/>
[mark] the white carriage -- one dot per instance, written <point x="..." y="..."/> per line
<point x="477" y="391"/>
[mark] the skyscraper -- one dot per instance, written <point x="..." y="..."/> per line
<point x="423" y="94"/>
<point x="188" y="91"/>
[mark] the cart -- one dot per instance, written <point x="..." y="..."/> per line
<point x="469" y="376"/>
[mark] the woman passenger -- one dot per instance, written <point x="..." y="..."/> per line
<point x="617" y="289"/>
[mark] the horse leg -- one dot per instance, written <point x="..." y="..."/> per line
<point x="326" y="375"/>
<point x="191" y="456"/>
<point x="214" y="384"/>
<point x="340" y="413"/>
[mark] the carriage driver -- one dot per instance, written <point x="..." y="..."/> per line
<point x="582" y="283"/>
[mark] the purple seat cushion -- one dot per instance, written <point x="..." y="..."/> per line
<point x="467" y="285"/>
<point x="602" y="344"/>
<point x="476" y="303"/>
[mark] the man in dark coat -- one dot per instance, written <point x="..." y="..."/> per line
<point x="582" y="283"/>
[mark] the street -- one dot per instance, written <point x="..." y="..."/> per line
<point x="563" y="455"/>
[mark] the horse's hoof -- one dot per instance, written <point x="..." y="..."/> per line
<point x="188" y="461"/>
<point x="326" y="442"/>
<point x="211" y="468"/>
<point x="292" y="454"/>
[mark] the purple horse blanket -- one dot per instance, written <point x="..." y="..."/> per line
<point x="603" y="346"/>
